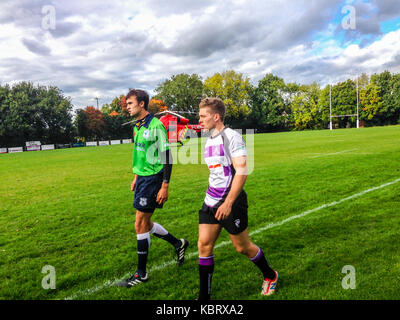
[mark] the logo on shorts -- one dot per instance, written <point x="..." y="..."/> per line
<point x="237" y="223"/>
<point x="143" y="202"/>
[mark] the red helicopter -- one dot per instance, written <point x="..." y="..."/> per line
<point x="177" y="126"/>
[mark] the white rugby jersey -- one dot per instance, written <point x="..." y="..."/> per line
<point x="218" y="154"/>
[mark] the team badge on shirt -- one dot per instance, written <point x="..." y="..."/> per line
<point x="146" y="134"/>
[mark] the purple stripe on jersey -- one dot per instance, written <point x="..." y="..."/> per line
<point x="217" y="193"/>
<point x="227" y="171"/>
<point x="213" y="151"/>
<point x="208" y="261"/>
<point x="206" y="152"/>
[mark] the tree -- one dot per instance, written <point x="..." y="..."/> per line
<point x="363" y="81"/>
<point x="31" y="112"/>
<point x="82" y="124"/>
<point x="370" y="103"/>
<point x="183" y="92"/>
<point x="95" y="123"/>
<point x="113" y="128"/>
<point x="107" y="109"/>
<point x="233" y="89"/>
<point x="396" y="97"/>
<point x="270" y="111"/>
<point x="305" y="108"/>
<point x="389" y="92"/>
<point x="114" y="115"/>
<point x="5" y="116"/>
<point x="157" y="105"/>
<point x="344" y="102"/>
<point x="324" y="107"/>
<point x="55" y="114"/>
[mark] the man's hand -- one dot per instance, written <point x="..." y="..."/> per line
<point x="133" y="184"/>
<point x="223" y="211"/>
<point x="239" y="163"/>
<point x="162" y="195"/>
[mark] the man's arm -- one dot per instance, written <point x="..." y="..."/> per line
<point x="133" y="184"/>
<point x="167" y="165"/>
<point x="238" y="182"/>
<point x="162" y="195"/>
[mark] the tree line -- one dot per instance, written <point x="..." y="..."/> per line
<point x="273" y="105"/>
<point x="34" y="113"/>
<point x="39" y="113"/>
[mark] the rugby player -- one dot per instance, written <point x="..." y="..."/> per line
<point x="152" y="165"/>
<point x="225" y="204"/>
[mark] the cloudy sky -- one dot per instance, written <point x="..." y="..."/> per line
<point x="96" y="48"/>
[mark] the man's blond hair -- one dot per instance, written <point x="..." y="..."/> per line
<point x="216" y="105"/>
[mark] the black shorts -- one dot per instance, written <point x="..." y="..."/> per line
<point x="237" y="221"/>
<point x="146" y="191"/>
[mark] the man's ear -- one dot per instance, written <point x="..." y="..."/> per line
<point x="141" y="104"/>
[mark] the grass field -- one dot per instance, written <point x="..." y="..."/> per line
<point x="72" y="209"/>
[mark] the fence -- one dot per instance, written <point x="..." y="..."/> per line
<point x="39" y="147"/>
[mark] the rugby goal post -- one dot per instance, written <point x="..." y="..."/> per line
<point x="331" y="116"/>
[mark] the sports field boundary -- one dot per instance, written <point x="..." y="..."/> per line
<point x="110" y="283"/>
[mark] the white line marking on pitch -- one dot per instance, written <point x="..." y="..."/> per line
<point x="110" y="283"/>
<point x="332" y="154"/>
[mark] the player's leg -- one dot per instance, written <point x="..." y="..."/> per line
<point x="243" y="245"/>
<point x="143" y="225"/>
<point x="237" y="226"/>
<point x="157" y="229"/>
<point x="180" y="245"/>
<point x="208" y="234"/>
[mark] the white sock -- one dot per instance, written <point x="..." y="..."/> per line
<point x="158" y="229"/>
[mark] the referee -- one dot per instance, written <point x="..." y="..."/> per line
<point x="152" y="166"/>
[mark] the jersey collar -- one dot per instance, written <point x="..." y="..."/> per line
<point x="218" y="134"/>
<point x="149" y="117"/>
<point x="147" y="120"/>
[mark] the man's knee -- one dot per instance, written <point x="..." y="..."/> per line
<point x="205" y="247"/>
<point x="242" y="249"/>
<point x="245" y="246"/>
<point x="248" y="249"/>
<point x="142" y="223"/>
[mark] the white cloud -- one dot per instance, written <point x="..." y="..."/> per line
<point x="374" y="57"/>
<point x="102" y="48"/>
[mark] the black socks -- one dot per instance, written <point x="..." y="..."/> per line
<point x="206" y="269"/>
<point x="261" y="262"/>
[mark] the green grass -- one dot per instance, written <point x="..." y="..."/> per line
<point x="72" y="209"/>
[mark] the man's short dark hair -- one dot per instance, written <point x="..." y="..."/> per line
<point x="140" y="95"/>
